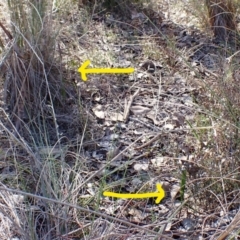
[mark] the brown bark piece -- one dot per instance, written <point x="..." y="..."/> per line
<point x="222" y="17"/>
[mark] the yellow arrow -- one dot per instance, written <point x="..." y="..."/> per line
<point x="160" y="194"/>
<point x="83" y="70"/>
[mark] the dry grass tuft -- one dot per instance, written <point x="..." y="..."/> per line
<point x="37" y="109"/>
<point x="33" y="76"/>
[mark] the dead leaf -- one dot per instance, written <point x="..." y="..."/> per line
<point x="111" y="137"/>
<point x="175" y="190"/>
<point x="158" y="161"/>
<point x="113" y="152"/>
<point x="152" y="116"/>
<point x="115" y="117"/>
<point x="168" y="227"/>
<point x="139" y="110"/>
<point x="97" y="110"/>
<point x="141" y="166"/>
<point x="168" y="126"/>
<point x="140" y="75"/>
<point x="138" y="215"/>
<point x="17" y="198"/>
<point x="90" y="189"/>
<point x="136" y="181"/>
<point x="178" y="119"/>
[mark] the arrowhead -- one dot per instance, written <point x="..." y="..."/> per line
<point x="160" y="193"/>
<point x="82" y="70"/>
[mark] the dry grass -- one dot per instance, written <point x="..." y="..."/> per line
<point x="52" y="184"/>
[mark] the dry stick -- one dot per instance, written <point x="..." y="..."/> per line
<point x="128" y="105"/>
<point x="235" y="222"/>
<point x="151" y="126"/>
<point x="229" y="59"/>
<point x="82" y="209"/>
<point x="6" y="31"/>
<point x="150" y="142"/>
<point x="208" y="71"/>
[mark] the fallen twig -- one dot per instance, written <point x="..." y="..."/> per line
<point x="128" y="105"/>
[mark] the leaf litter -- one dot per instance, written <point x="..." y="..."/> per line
<point x="151" y="108"/>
